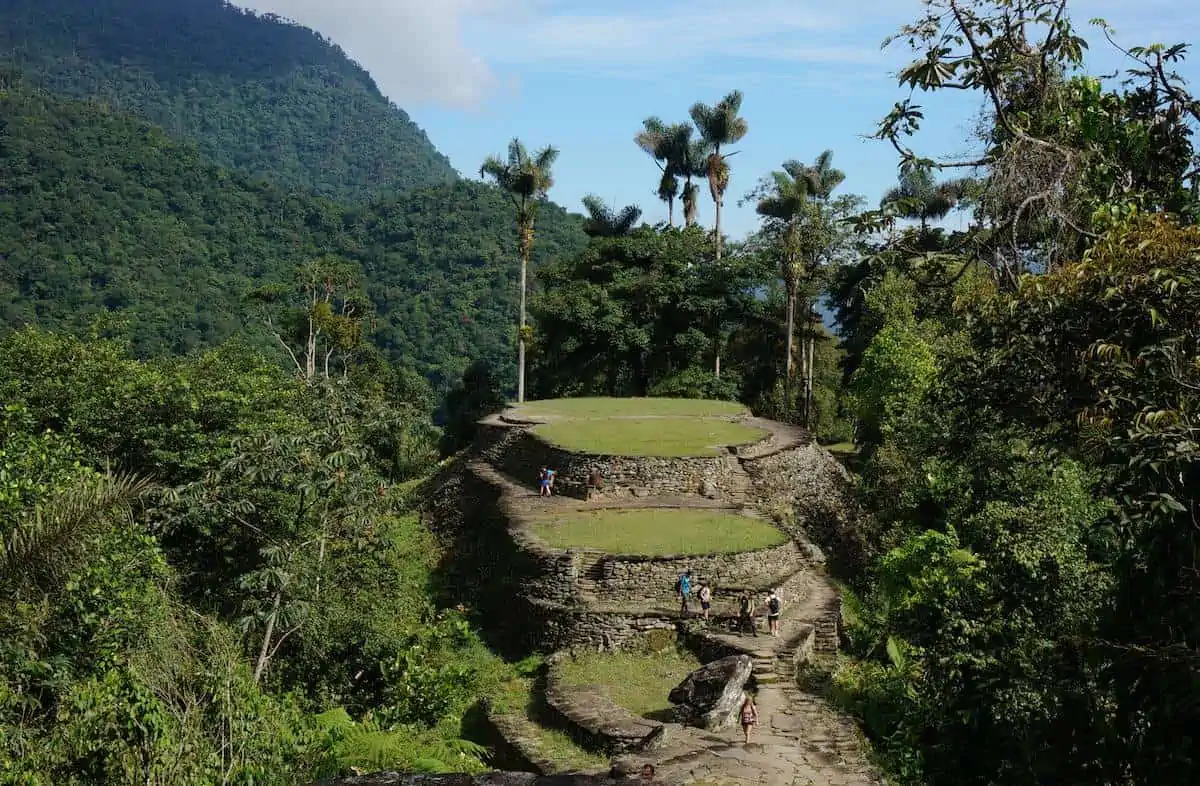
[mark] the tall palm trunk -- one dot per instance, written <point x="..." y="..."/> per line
<point x="789" y="339"/>
<point x="526" y="230"/>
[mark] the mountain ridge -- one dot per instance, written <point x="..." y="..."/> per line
<point x="255" y="92"/>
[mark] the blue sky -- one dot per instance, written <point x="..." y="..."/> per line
<point x="583" y="75"/>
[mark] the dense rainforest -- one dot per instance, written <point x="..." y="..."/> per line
<point x="105" y="214"/>
<point x="273" y="99"/>
<point x="211" y="567"/>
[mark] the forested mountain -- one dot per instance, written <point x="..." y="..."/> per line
<point x="274" y="99"/>
<point x="105" y="211"/>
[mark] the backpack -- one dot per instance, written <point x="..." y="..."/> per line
<point x="773" y="605"/>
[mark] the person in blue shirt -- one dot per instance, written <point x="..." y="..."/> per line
<point x="683" y="588"/>
<point x="546" y="482"/>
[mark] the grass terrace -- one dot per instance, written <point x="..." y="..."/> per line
<point x="637" y="681"/>
<point x="655" y="532"/>
<point x="630" y="407"/>
<point x="653" y="436"/>
<point x="522" y="696"/>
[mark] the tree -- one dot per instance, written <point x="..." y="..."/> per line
<point x="476" y="395"/>
<point x="719" y="125"/>
<point x="919" y="198"/>
<point x="526" y="179"/>
<point x="603" y="221"/>
<point x="621" y="317"/>
<point x="657" y="140"/>
<point x="321" y="316"/>
<point x="795" y="203"/>
<point x="1057" y="149"/>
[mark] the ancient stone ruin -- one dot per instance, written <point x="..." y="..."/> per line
<point x="540" y="598"/>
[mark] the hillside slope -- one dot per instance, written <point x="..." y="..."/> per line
<point x="100" y="211"/>
<point x="271" y="98"/>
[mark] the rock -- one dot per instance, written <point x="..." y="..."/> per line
<point x="711" y="696"/>
<point x="708" y="489"/>
<point x="490" y="779"/>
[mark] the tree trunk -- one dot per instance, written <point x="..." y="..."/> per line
<point x="808" y="382"/>
<point x="789" y="335"/>
<point x="263" y="655"/>
<point x="526" y="245"/>
<point x="671" y="212"/>
<point x="717" y="226"/>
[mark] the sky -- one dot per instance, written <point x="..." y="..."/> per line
<point x="582" y="76"/>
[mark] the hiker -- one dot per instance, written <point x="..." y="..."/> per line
<point x="774" y="606"/>
<point x="683" y="588"/>
<point x="746" y="615"/>
<point x="749" y="716"/>
<point x="546" y="481"/>
<point x="705" y="596"/>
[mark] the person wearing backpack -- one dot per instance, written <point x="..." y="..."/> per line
<point x="774" y="607"/>
<point x="683" y="588"/>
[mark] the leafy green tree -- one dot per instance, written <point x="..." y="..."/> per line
<point x="526" y="180"/>
<point x="659" y="141"/>
<point x="604" y="221"/>
<point x="622" y="316"/>
<point x="321" y="319"/>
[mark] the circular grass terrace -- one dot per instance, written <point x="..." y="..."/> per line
<point x="667" y="427"/>
<point x="637" y="681"/>
<point x="658" y="532"/>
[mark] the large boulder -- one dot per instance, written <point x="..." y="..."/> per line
<point x="711" y="696"/>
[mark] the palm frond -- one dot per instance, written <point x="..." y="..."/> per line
<point x="45" y="545"/>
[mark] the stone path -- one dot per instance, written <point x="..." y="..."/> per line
<point x="799" y="741"/>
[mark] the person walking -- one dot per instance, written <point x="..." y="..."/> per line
<point x="774" y="607"/>
<point x="705" y="596"/>
<point x="683" y="587"/>
<point x="746" y="615"/>
<point x="749" y="717"/>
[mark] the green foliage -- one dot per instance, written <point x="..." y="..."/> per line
<point x="108" y="215"/>
<point x="478" y="394"/>
<point x="271" y="98"/>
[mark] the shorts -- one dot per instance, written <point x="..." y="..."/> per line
<point x="704" y="604"/>
<point x="772" y="617"/>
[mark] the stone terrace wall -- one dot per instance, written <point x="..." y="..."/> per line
<point x="811" y="483"/>
<point x="635" y="577"/>
<point x="519" y="453"/>
<point x="557" y="627"/>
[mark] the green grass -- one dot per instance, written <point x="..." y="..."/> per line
<point x="647" y="436"/>
<point x="639" y="682"/>
<point x="617" y="407"/>
<point x="520" y="696"/>
<point x="658" y="531"/>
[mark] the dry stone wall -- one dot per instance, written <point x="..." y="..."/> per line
<point x="519" y="453"/>
<point x="632" y="578"/>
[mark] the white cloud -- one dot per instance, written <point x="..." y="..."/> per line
<point x="413" y="48"/>
<point x="461" y="53"/>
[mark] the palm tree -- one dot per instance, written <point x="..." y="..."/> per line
<point x="655" y="139"/>
<point x="49" y="542"/>
<point x="787" y="204"/>
<point x="719" y="125"/>
<point x="526" y="179"/>
<point x="603" y="221"/>
<point x="918" y="197"/>
<point x="796" y="203"/>
<point x="692" y="162"/>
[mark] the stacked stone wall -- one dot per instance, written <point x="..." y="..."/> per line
<point x="521" y="453"/>
<point x="629" y="577"/>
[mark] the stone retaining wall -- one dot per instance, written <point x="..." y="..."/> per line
<point x="594" y="715"/>
<point x="630" y="577"/>
<point x="519" y="453"/>
<point x="555" y="626"/>
<point x="816" y="490"/>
